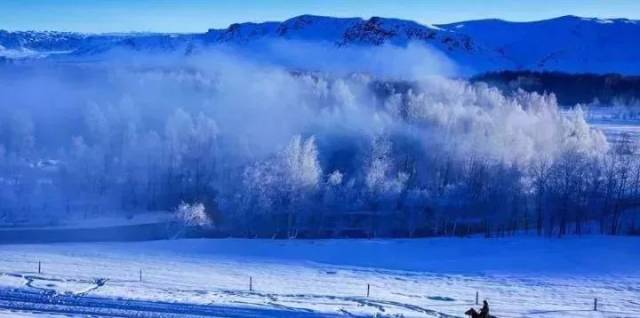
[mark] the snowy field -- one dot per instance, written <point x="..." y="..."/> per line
<point x="616" y="130"/>
<point x="616" y="122"/>
<point x="524" y="277"/>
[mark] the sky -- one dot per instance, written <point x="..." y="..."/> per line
<point x="186" y="16"/>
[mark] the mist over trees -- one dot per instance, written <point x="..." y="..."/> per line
<point x="267" y="152"/>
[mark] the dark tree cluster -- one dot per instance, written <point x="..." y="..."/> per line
<point x="570" y="89"/>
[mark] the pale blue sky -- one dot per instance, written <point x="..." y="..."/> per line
<point x="200" y="15"/>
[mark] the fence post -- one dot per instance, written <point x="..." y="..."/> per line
<point x="595" y="304"/>
<point x="251" y="283"/>
<point x="368" y="289"/>
<point x="39" y="267"/>
<point x="477" y="296"/>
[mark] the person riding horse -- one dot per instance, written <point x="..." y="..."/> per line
<point x="484" y="311"/>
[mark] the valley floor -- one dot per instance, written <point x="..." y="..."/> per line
<point x="520" y="277"/>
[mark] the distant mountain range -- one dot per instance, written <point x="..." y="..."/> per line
<point x="566" y="44"/>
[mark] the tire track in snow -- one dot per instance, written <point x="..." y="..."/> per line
<point x="39" y="301"/>
<point x="49" y="290"/>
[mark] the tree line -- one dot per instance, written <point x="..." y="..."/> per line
<point x="570" y="89"/>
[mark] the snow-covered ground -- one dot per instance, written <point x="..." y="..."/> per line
<point x="615" y="131"/>
<point x="616" y="121"/>
<point x="521" y="277"/>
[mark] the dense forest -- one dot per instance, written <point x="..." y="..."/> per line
<point x="569" y="89"/>
<point x="271" y="153"/>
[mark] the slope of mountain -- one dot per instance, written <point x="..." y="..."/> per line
<point x="568" y="44"/>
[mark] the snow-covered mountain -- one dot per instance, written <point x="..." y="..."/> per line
<point x="570" y="44"/>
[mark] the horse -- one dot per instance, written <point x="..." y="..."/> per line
<point x="475" y="314"/>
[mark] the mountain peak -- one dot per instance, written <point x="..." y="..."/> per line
<point x="313" y="18"/>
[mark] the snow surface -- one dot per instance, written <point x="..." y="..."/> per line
<point x="521" y="277"/>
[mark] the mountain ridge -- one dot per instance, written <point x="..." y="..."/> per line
<point x="568" y="44"/>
